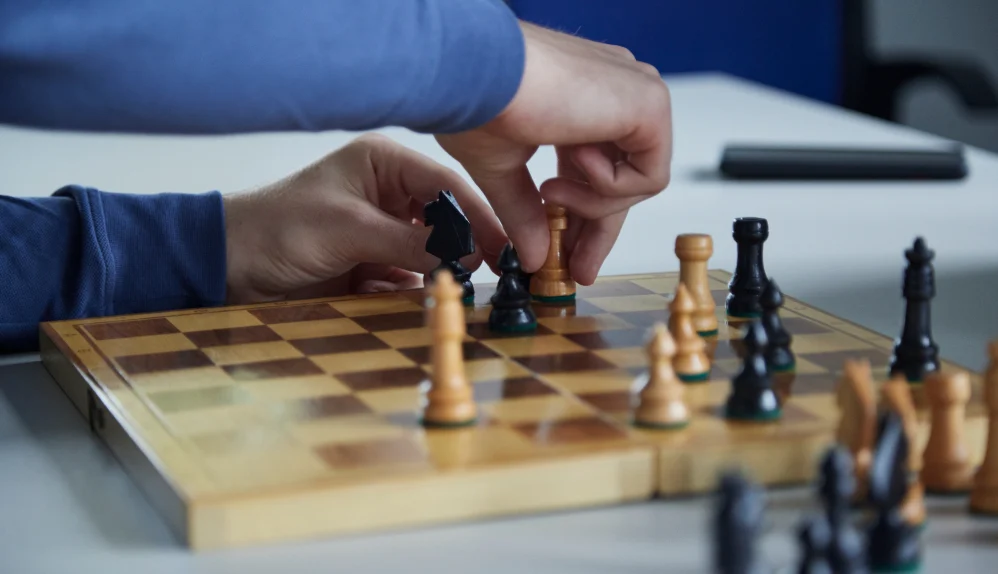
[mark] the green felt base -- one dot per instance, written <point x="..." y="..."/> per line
<point x="707" y="334"/>
<point x="652" y="426"/>
<point x="559" y="299"/>
<point x="697" y="378"/>
<point x="785" y="368"/>
<point x="764" y="417"/>
<point x="912" y="567"/>
<point x="460" y="424"/>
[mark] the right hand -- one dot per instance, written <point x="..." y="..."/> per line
<point x="609" y="118"/>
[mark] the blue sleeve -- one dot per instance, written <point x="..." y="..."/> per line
<point x="236" y="66"/>
<point x="86" y="253"/>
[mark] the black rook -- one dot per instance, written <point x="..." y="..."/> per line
<point x="749" y="278"/>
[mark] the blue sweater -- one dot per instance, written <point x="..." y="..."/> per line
<point x="193" y="67"/>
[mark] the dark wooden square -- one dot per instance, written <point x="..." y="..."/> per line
<point x="611" y="339"/>
<point x="802" y="326"/>
<point x="520" y="387"/>
<point x="578" y="430"/>
<point x="392" y="321"/>
<point x="609" y="402"/>
<point x="564" y="362"/>
<point x="193" y="399"/>
<point x="805" y="384"/>
<point x="273" y="369"/>
<point x="383" y="452"/>
<point x="296" y="313"/>
<point x="158" y="362"/>
<point x="383" y="379"/>
<point x="645" y="319"/>
<point x="472" y="350"/>
<point x="232" y="336"/>
<point x="482" y="332"/>
<point x="339" y="344"/>
<point x="323" y="407"/>
<point x="128" y="329"/>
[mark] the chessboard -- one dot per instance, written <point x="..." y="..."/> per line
<point x="290" y="420"/>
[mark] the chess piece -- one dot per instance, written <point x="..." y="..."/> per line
<point x="660" y="400"/>
<point x="693" y="251"/>
<point x="737" y="522"/>
<point x="915" y="353"/>
<point x="691" y="361"/>
<point x="511" y="310"/>
<point x="552" y="282"/>
<point x="984" y="495"/>
<point x="778" y="354"/>
<point x="752" y="396"/>
<point x="813" y="537"/>
<point x="836" y="489"/>
<point x="749" y="278"/>
<point x="448" y="398"/>
<point x="858" y="418"/>
<point x="946" y="466"/>
<point x="450" y="240"/>
<point x="897" y="397"/>
<point x="892" y="544"/>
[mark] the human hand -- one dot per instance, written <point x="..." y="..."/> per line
<point x="609" y="117"/>
<point x="349" y="223"/>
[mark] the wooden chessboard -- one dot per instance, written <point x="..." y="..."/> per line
<point x="254" y="424"/>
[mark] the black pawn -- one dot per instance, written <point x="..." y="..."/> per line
<point x="893" y="544"/>
<point x="915" y="353"/>
<point x="846" y="553"/>
<point x="511" y="310"/>
<point x="752" y="396"/>
<point x="737" y="524"/>
<point x="749" y="278"/>
<point x="813" y="537"/>
<point x="779" y="357"/>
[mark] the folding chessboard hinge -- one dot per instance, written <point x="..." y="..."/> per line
<point x="95" y="414"/>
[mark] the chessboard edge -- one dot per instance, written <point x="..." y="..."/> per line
<point x="93" y="406"/>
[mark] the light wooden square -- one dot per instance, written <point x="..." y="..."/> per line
<point x="344" y="430"/>
<point x="585" y="324"/>
<point x="142" y="345"/>
<point x="251" y="353"/>
<point x="533" y="345"/>
<point x="374" y="306"/>
<point x="319" y="328"/>
<point x="477" y="445"/>
<point x="259" y="439"/>
<point x="660" y="285"/>
<point x="189" y="379"/>
<point x="634" y="303"/>
<point x="405" y="338"/>
<point x="535" y="409"/>
<point x="826" y="343"/>
<point x="290" y="388"/>
<point x="362" y="361"/>
<point x="287" y="467"/>
<point x="214" y="320"/>
<point x="593" y="381"/>
<point x="628" y="357"/>
<point x="216" y="419"/>
<point x="404" y="399"/>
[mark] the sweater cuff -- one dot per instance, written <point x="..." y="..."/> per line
<point x="157" y="252"/>
<point x="480" y="62"/>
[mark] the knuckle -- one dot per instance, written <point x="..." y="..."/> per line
<point x="621" y="51"/>
<point x="649" y="69"/>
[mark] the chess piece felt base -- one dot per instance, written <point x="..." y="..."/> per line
<point x="661" y="426"/>
<point x="738" y="413"/>
<point x="443" y="425"/>
<point x="695" y="377"/>
<point x="707" y="334"/>
<point x="893" y="545"/>
<point x="783" y="365"/>
<point x="512" y="320"/>
<point x="555" y="299"/>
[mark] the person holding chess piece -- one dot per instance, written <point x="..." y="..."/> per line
<point x="553" y="283"/>
<point x="487" y="86"/>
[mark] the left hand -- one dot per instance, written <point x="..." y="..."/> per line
<point x="349" y="223"/>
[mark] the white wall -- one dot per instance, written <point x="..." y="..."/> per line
<point x="951" y="27"/>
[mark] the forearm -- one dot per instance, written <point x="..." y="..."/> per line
<point x="187" y="66"/>
<point x="86" y="253"/>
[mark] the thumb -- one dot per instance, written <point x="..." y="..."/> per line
<point x="380" y="238"/>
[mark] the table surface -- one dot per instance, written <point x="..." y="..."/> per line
<point x="66" y="504"/>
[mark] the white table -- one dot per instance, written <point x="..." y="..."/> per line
<point x="66" y="504"/>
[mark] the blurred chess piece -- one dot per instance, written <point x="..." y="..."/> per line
<point x="449" y="398"/>
<point x="858" y="418"/>
<point x="693" y="251"/>
<point x="984" y="495"/>
<point x="897" y="397"/>
<point x="691" y="361"/>
<point x="552" y="283"/>
<point x="946" y="466"/>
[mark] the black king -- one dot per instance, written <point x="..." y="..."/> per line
<point x="915" y="353"/>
